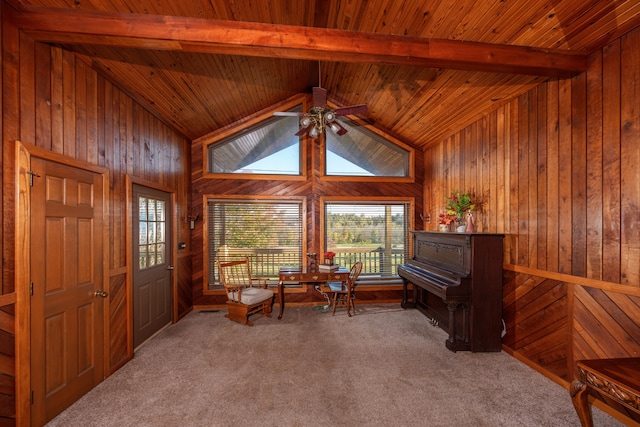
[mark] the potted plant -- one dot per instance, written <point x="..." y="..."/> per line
<point x="459" y="204"/>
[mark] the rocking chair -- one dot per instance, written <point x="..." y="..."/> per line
<point x="245" y="295"/>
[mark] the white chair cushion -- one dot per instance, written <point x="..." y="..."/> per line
<point x="252" y="296"/>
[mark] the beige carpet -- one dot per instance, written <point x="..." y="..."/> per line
<point x="384" y="367"/>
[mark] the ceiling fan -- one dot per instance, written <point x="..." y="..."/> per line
<point x="320" y="115"/>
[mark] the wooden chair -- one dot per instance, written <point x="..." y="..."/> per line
<point x="344" y="292"/>
<point x="245" y="295"/>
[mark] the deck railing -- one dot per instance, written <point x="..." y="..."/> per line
<point x="267" y="262"/>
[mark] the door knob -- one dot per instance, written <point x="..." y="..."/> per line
<point x="170" y="267"/>
<point x="101" y="293"/>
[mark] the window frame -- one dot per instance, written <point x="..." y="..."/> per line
<point x="371" y="282"/>
<point x="242" y="126"/>
<point x="218" y="290"/>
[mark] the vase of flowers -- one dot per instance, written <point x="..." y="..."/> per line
<point x="459" y="204"/>
<point x="445" y="220"/>
<point x="328" y="257"/>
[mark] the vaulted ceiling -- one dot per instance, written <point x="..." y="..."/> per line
<point x="425" y="68"/>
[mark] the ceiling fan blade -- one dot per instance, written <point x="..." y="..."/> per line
<point x="319" y="97"/>
<point x="288" y="113"/>
<point x="354" y="109"/>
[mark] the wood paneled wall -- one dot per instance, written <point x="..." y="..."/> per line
<point x="313" y="188"/>
<point x="53" y="99"/>
<point x="556" y="170"/>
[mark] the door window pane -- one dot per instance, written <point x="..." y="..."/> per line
<point x="152" y="235"/>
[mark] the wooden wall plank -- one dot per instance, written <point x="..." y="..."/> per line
<point x="42" y="86"/>
<point x="611" y="202"/>
<point x="511" y="239"/>
<point x="552" y="177"/>
<point x="69" y="106"/>
<point x="57" y="101"/>
<point x="91" y="104"/>
<point x="27" y="91"/>
<point x="502" y="176"/>
<point x="524" y="223"/>
<point x="594" y="166"/>
<point x="564" y="177"/>
<point x="80" y="104"/>
<point x="578" y="174"/>
<point x="531" y="180"/>
<point x="541" y="166"/>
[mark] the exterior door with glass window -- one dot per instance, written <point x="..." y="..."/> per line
<point x="152" y="262"/>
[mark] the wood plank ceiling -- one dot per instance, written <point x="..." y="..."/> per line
<point x="425" y="68"/>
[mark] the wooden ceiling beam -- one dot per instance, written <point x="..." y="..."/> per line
<point x="67" y="26"/>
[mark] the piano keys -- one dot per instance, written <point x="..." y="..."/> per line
<point x="456" y="282"/>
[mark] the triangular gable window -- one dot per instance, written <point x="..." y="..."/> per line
<point x="267" y="148"/>
<point x="362" y="152"/>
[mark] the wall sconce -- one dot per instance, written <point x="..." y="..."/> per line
<point x="192" y="221"/>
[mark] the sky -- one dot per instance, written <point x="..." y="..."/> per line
<point x="280" y="162"/>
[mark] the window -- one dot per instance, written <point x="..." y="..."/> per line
<point x="269" y="232"/>
<point x="151" y="234"/>
<point x="270" y="147"/>
<point x="361" y="152"/>
<point x="373" y="232"/>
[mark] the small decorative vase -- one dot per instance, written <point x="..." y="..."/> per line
<point x="443" y="227"/>
<point x="461" y="228"/>
<point x="471" y="228"/>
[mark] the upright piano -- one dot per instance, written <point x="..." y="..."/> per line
<point x="456" y="282"/>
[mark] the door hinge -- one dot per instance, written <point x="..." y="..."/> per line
<point x="31" y="288"/>
<point x="32" y="397"/>
<point x="31" y="175"/>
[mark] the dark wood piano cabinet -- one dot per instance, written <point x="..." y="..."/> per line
<point x="457" y="284"/>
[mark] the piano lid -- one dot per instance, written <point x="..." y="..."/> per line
<point x="448" y="251"/>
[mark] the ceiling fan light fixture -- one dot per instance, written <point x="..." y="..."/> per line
<point x="305" y="122"/>
<point x="329" y="116"/>
<point x="313" y="132"/>
<point x="334" y="127"/>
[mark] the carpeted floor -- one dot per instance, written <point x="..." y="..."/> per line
<point x="383" y="367"/>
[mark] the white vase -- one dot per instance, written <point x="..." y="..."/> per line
<point x="461" y="228"/>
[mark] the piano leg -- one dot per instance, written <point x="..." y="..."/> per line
<point x="405" y="295"/>
<point x="452" y="325"/>
<point x="466" y="333"/>
<point x="455" y="341"/>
